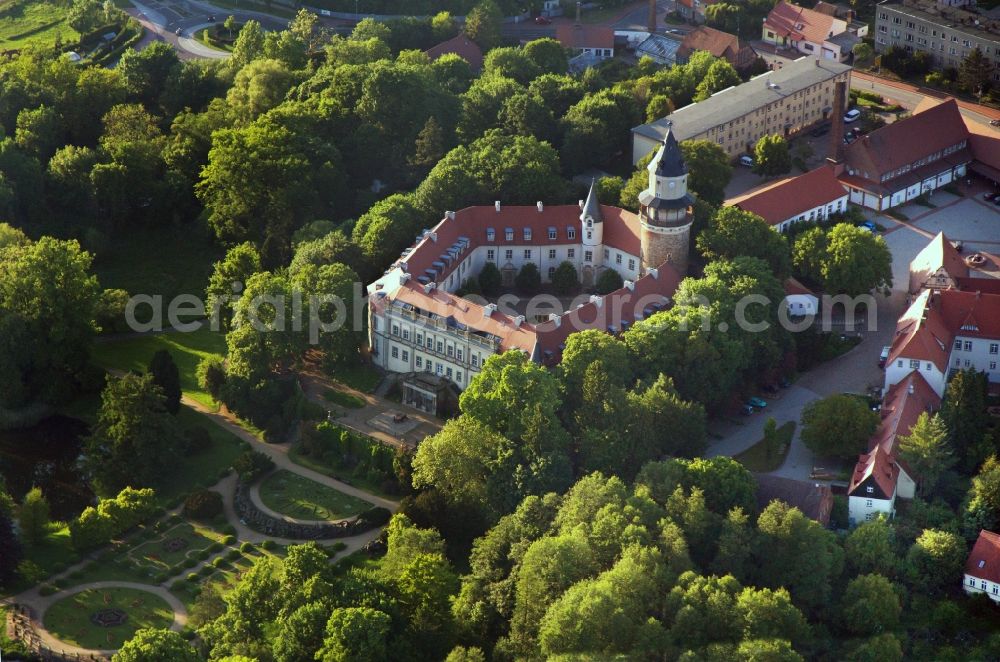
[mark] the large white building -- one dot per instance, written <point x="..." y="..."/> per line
<point x="812" y="197"/>
<point x="417" y="324"/>
<point x="982" y="569"/>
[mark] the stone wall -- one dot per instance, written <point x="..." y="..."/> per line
<point x="272" y="526"/>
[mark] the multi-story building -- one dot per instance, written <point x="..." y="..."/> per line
<point x="982" y="568"/>
<point x="947" y="33"/>
<point x="417" y="324"/>
<point x="782" y="102"/>
<point x="810" y="32"/>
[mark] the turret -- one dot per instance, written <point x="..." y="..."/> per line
<point x="665" y="209"/>
<point x="591" y="219"/>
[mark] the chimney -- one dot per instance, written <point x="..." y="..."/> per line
<point x="450" y="215"/>
<point x="488" y="310"/>
<point x="651" y="19"/>
<point x="910" y="388"/>
<point x="597" y="300"/>
<point x="580" y="202"/>
<point x="403" y="278"/>
<point x="496" y="205"/>
<point x="629" y="285"/>
<point x="429" y="287"/>
<point x="579" y="8"/>
<point x="837" y="121"/>
<point x="518" y="321"/>
<point x="655" y="273"/>
<point x="433" y="236"/>
<point x="555" y="317"/>
<point x="540" y="206"/>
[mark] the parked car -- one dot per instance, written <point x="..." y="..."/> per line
<point x="853" y="115"/>
<point x="542" y="20"/>
<point x="746" y="160"/>
<point x="994" y="122"/>
<point x="989" y="196"/>
<point x="757" y="402"/>
<point x="746" y="410"/>
<point x="884" y="356"/>
<point x="868" y="225"/>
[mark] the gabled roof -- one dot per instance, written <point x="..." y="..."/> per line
<point x="799" y="23"/>
<point x="938" y="254"/>
<point x="905" y="142"/>
<point x="791" y="197"/>
<point x="984" y="560"/>
<point x="463" y="47"/>
<point x="815" y="500"/>
<point x="793" y="287"/>
<point x="922" y="335"/>
<point x="716" y="42"/>
<point x="585" y="36"/>
<point x="875" y="469"/>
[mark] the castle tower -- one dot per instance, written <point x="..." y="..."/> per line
<point x="591" y="219"/>
<point x="665" y="210"/>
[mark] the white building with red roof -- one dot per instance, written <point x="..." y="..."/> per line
<point x="937" y="267"/>
<point x="812" y="196"/>
<point x="880" y="475"/>
<point x="418" y="324"/>
<point x="809" y="32"/>
<point x="982" y="569"/>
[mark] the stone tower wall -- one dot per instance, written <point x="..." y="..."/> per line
<point x="661" y="245"/>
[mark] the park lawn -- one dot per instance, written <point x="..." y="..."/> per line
<point x="298" y="497"/>
<point x="69" y="618"/>
<point x="166" y="261"/>
<point x="53" y="554"/>
<point x="33" y="22"/>
<point x="361" y="377"/>
<point x="343" y="398"/>
<point x="155" y="554"/>
<point x="202" y="469"/>
<point x="360" y="482"/>
<point x="755" y="458"/>
<point x="186" y="349"/>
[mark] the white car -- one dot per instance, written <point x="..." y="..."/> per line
<point x="852" y="115"/>
<point x="746" y="160"/>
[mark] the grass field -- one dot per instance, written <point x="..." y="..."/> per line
<point x="343" y="399"/>
<point x="301" y="498"/>
<point x="756" y="457"/>
<point x="201" y="469"/>
<point x="361" y="377"/>
<point x="157" y="555"/>
<point x="187" y="350"/>
<point x="168" y="261"/>
<point x="69" y="618"/>
<point x="33" y="22"/>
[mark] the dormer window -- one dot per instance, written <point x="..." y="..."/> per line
<point x="527" y="234"/>
<point x="571" y="232"/>
<point x="509" y="234"/>
<point x="491" y="234"/>
<point x="552" y="233"/>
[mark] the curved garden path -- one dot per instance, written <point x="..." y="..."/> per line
<point x="40" y="603"/>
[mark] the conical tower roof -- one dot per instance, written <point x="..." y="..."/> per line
<point x="592" y="207"/>
<point x="669" y="160"/>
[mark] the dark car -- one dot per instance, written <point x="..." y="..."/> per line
<point x="746" y="410"/>
<point x="542" y="20"/>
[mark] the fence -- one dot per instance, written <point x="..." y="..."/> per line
<point x="20" y="626"/>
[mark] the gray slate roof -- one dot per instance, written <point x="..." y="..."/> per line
<point x="735" y="102"/>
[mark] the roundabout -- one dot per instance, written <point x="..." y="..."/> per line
<point x="103" y="617"/>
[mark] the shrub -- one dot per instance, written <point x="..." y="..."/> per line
<point x="229" y="529"/>
<point x="211" y="375"/>
<point x="46" y="589"/>
<point x="196" y="440"/>
<point x="203" y="554"/>
<point x="215" y="547"/>
<point x="251" y="465"/>
<point x="203" y="505"/>
<point x="490" y="280"/>
<point x="206" y="570"/>
<point x="268" y="545"/>
<point x="233" y="554"/>
<point x="528" y="280"/>
<point x="565" y="280"/>
<point x="177" y="585"/>
<point x="192" y="577"/>
<point x="160" y="577"/>
<point x="218" y="562"/>
<point x="609" y="281"/>
<point x="189" y="562"/>
<point x="376" y="516"/>
<point x="228" y="540"/>
<point x="246" y="548"/>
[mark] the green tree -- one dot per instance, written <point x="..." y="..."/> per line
<point x="565" y="280"/>
<point x="355" y="633"/>
<point x="11" y="551"/>
<point x="134" y="439"/>
<point x="838" y="426"/>
<point x="934" y="560"/>
<point x="249" y="45"/>
<point x="770" y="614"/>
<point x="724" y="16"/>
<point x="463" y="654"/>
<point x="528" y="280"/>
<point x="926" y="451"/>
<point x="229" y="24"/>
<point x="884" y="647"/>
<point x="548" y="55"/>
<point x="166" y="376"/>
<point x="33" y="517"/>
<point x="870" y="606"/>
<point x="975" y="71"/>
<point x="809" y="255"/>
<point x="145" y="72"/>
<point x="734" y="232"/>
<point x="301" y="634"/>
<point x="771" y="156"/>
<point x="963" y="412"/>
<point x="48" y="299"/>
<point x="702" y="610"/>
<point x="857" y="261"/>
<point x="708" y="168"/>
<point x="153" y="645"/>
<point x="982" y="505"/>
<point x="609" y="281"/>
<point x="430" y="145"/>
<point x="369" y="28"/>
<point x="719" y="76"/>
<point x="869" y="548"/>
<point x="863" y="54"/>
<point x="39" y="131"/>
<point x="512" y="63"/>
<point x="490" y="279"/>
<point x="443" y="26"/>
<point x="482" y="24"/>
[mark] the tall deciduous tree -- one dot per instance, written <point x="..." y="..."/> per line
<point x="167" y="377"/>
<point x="857" y="261"/>
<point x="975" y="70"/>
<point x="355" y="633"/>
<point x="771" y="156"/>
<point x="734" y="232"/>
<point x="33" y="516"/>
<point x="963" y="412"/>
<point x="708" y="169"/>
<point x="156" y="645"/>
<point x="935" y="560"/>
<point x="719" y="76"/>
<point x="482" y="24"/>
<point x="838" y="426"/>
<point x="926" y="450"/>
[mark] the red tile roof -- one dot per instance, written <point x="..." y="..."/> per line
<point x="799" y="23"/>
<point x="878" y="466"/>
<point x="716" y="42"/>
<point x="791" y="197"/>
<point x="984" y="560"/>
<point x="815" y="500"/>
<point x="939" y="253"/>
<point x="463" y="47"/>
<point x="793" y="286"/>
<point x="905" y="142"/>
<point x="571" y="35"/>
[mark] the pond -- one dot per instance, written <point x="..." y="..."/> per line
<point x="46" y="455"/>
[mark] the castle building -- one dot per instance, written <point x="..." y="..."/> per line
<point x="418" y="324"/>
